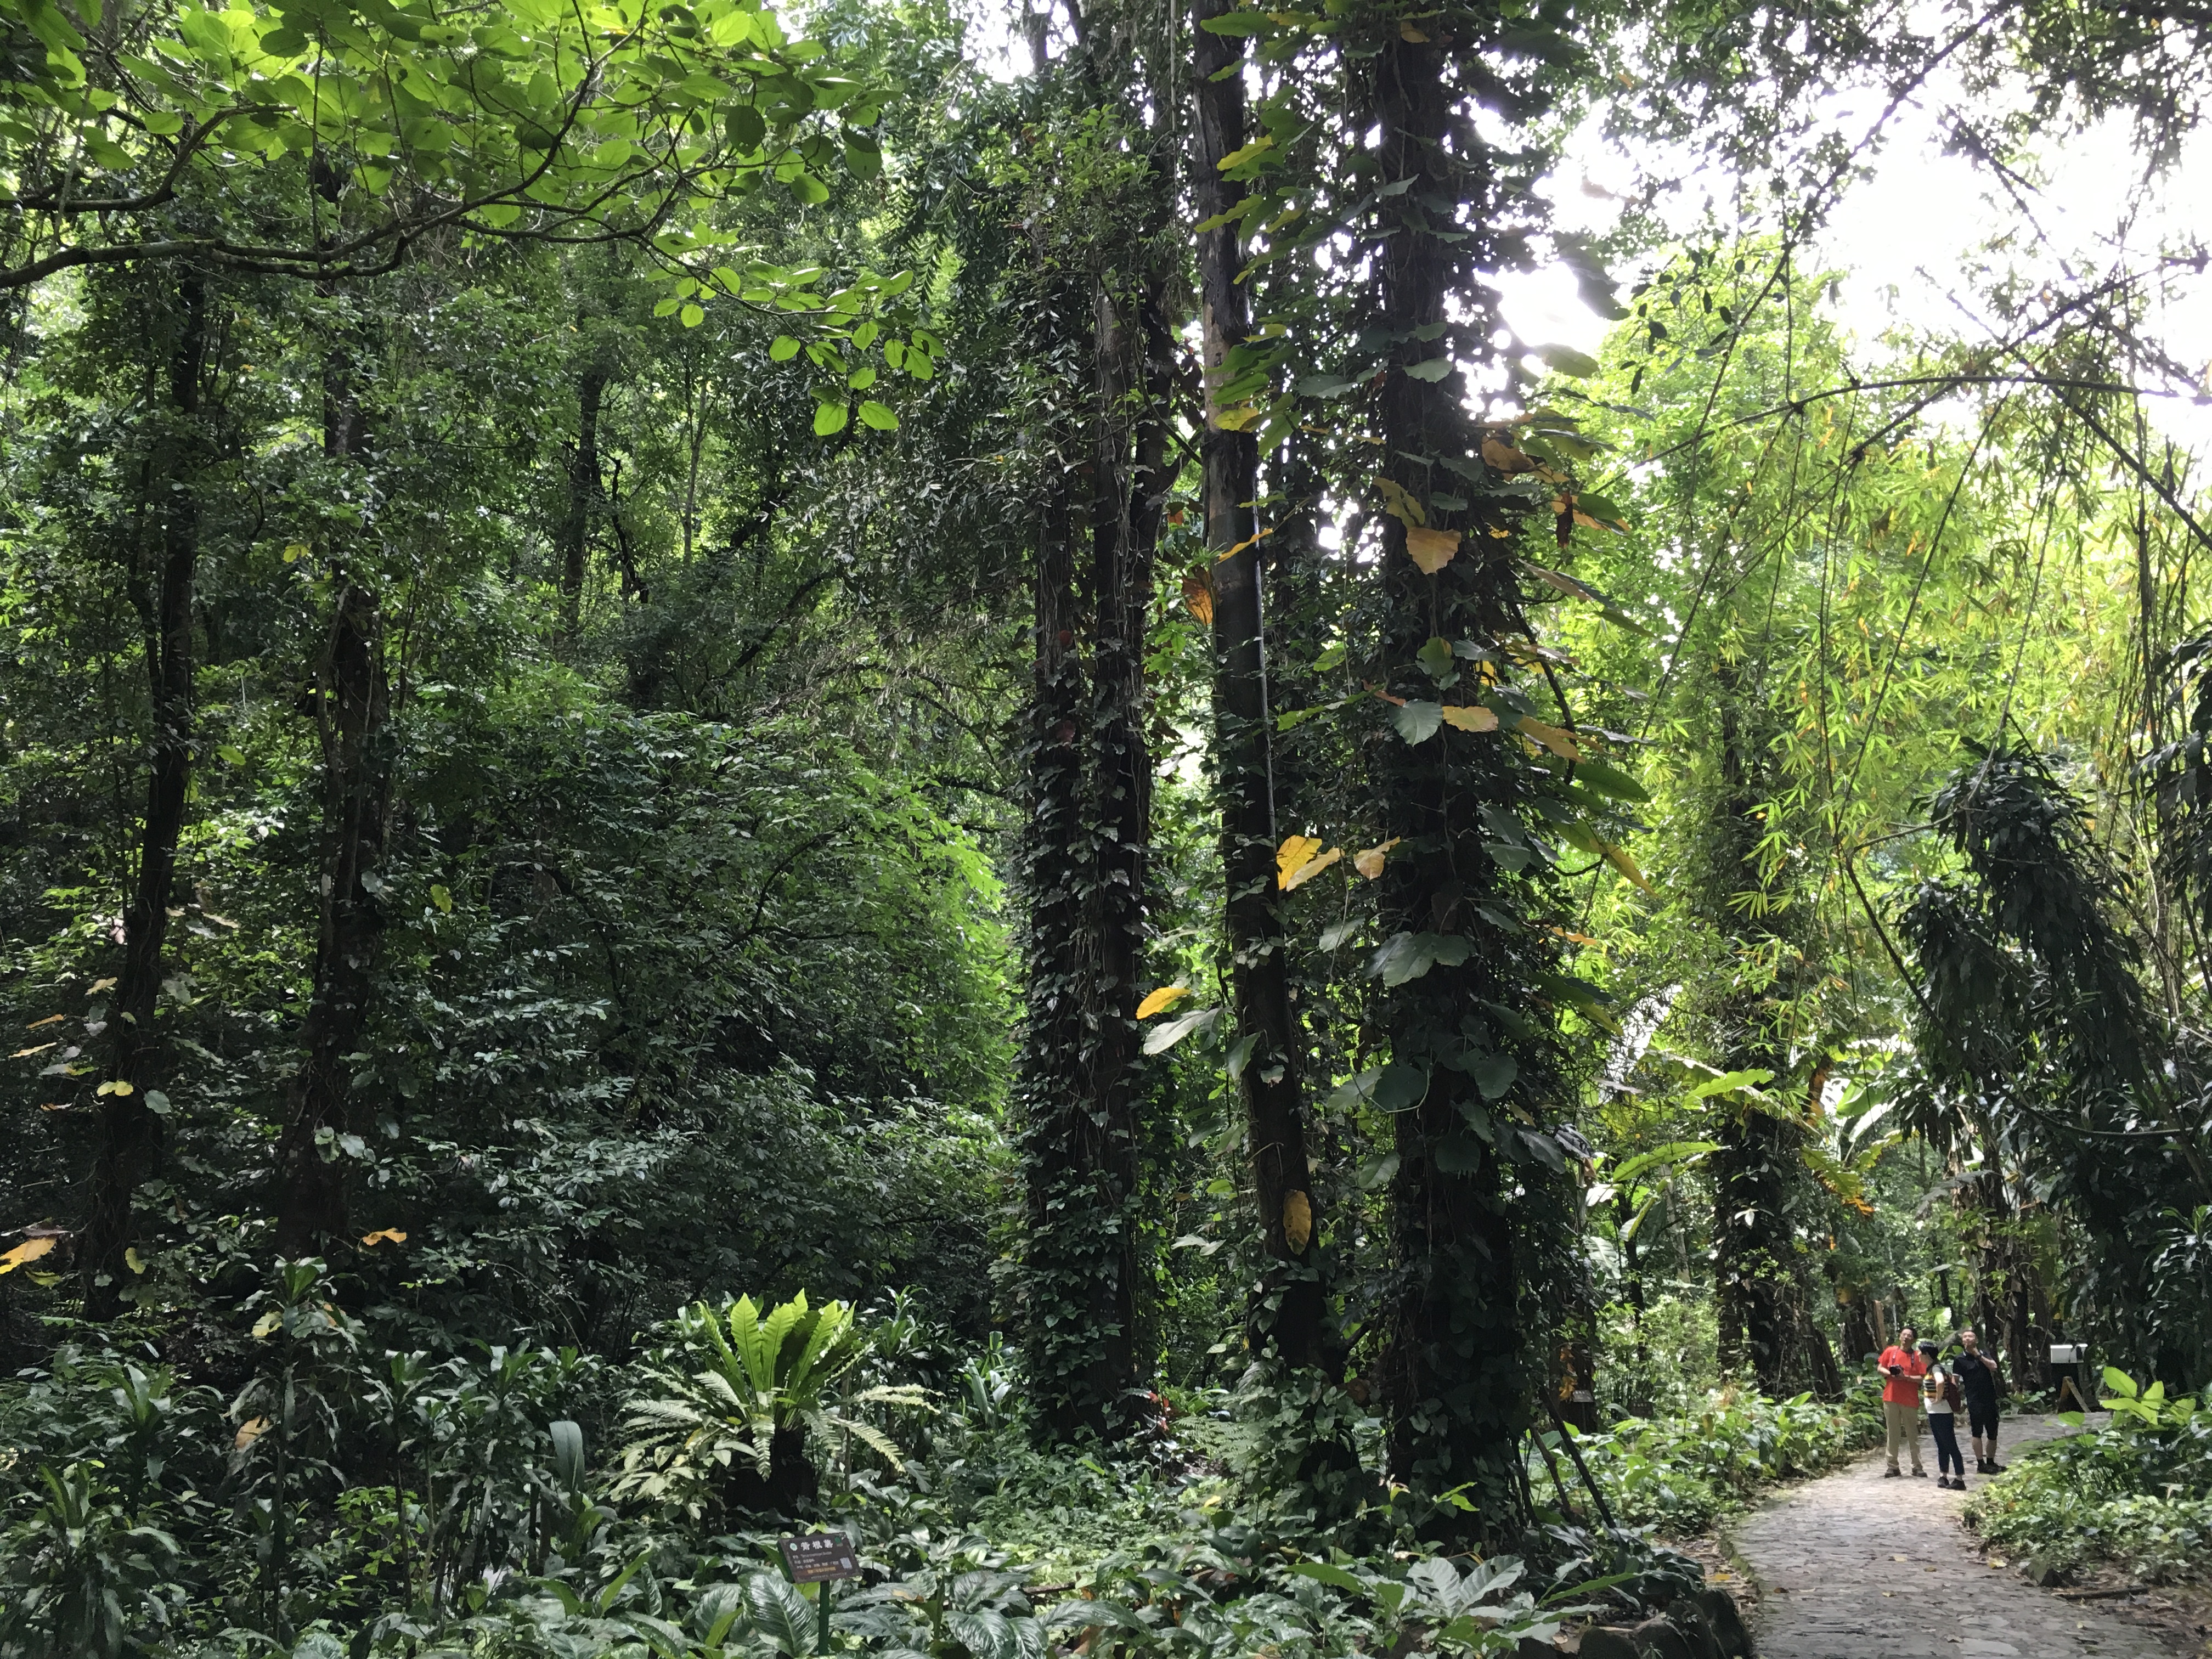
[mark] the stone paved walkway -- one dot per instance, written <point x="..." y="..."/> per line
<point x="1856" y="1566"/>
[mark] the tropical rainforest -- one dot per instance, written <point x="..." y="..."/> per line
<point x="893" y="770"/>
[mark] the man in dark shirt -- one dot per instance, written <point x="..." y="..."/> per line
<point x="1979" y="1381"/>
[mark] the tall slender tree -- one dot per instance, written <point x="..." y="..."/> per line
<point x="163" y="576"/>
<point x="1290" y="1305"/>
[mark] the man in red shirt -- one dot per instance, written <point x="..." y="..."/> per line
<point x="1901" y="1370"/>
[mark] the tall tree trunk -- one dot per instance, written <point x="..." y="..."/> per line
<point x="1760" y="1182"/>
<point x="1289" y="1309"/>
<point x="583" y="496"/>
<point x="1460" y="1369"/>
<point x="130" y="1130"/>
<point x="351" y="705"/>
<point x="1072" y="1263"/>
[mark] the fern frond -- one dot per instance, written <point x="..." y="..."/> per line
<point x="874" y="1438"/>
<point x="908" y="1396"/>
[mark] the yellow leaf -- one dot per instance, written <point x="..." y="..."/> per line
<point x="1298" y="1221"/>
<point x="1295" y="853"/>
<point x="266" y="1325"/>
<point x="1408" y="32"/>
<point x="1471" y="717"/>
<point x="1236" y="419"/>
<point x="133" y="1261"/>
<point x="29" y="1250"/>
<point x="383" y="1234"/>
<point x="250" y="1431"/>
<point x="1166" y="997"/>
<point x="99" y="985"/>
<point x="1370" y="862"/>
<point x="1197" y="594"/>
<point x="1431" y="550"/>
<point x="1505" y="457"/>
<point x="1566" y="585"/>
<point x="1560" y="742"/>
<point x="1400" y="505"/>
<point x="1312" y="867"/>
<point x="295" y="552"/>
<point x="25" y="1053"/>
<point x="1249" y="541"/>
<point x="50" y="1019"/>
<point x="1618" y="858"/>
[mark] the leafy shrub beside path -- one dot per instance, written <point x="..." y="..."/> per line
<point x="1681" y="1474"/>
<point x="2135" y="1491"/>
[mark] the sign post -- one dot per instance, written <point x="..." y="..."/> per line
<point x="820" y="1558"/>
<point x="2073" y="1358"/>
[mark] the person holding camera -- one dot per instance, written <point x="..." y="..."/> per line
<point x="1979" y="1381"/>
<point x="1901" y="1368"/>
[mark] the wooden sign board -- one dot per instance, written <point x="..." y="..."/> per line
<point x="815" y="1557"/>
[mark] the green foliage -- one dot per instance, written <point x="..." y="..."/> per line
<point x="1681" y="1471"/>
<point x="2135" y="1491"/>
<point x="778" y="1373"/>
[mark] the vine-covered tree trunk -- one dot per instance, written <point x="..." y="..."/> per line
<point x="130" y="1129"/>
<point x="1071" y="1264"/>
<point x="1458" y="1375"/>
<point x="1289" y="1306"/>
<point x="352" y="703"/>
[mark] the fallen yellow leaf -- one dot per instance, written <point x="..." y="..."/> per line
<point x="1471" y="717"/>
<point x="25" y="1053"/>
<point x="1166" y="997"/>
<point x="29" y="1250"/>
<point x="99" y="985"/>
<point x="50" y="1019"/>
<point x="1295" y="853"/>
<point x="1431" y="550"/>
<point x="266" y="1325"/>
<point x="1369" y="863"/>
<point x="1312" y="867"/>
<point x="383" y="1234"/>
<point x="250" y="1431"/>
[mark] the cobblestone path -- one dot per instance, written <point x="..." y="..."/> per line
<point x="1856" y="1566"/>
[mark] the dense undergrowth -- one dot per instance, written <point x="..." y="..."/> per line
<point x="350" y="1500"/>
<point x="2134" y="1491"/>
<point x="1679" y="1474"/>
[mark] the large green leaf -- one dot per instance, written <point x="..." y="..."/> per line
<point x="1409" y="956"/>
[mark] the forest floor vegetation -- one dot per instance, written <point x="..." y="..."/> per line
<point x="346" y="1498"/>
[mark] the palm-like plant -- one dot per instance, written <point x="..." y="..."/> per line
<point x="767" y="1381"/>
